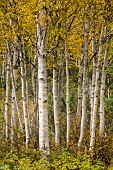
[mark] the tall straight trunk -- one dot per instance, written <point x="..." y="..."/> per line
<point x="2" y="73"/>
<point x="108" y="91"/>
<point x="13" y="118"/>
<point x="7" y="92"/>
<point x="60" y="79"/>
<point x="84" y="86"/>
<point x="67" y="97"/>
<point x="94" y="111"/>
<point x="13" y="75"/>
<point x="79" y="103"/>
<point x="94" y="56"/>
<point x="26" y="88"/>
<point x="23" y="76"/>
<point x="42" y="87"/>
<point x="102" y="90"/>
<point x="35" y="98"/>
<point x="55" y="105"/>
<point x="93" y="78"/>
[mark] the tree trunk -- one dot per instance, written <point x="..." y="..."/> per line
<point x="79" y="103"/>
<point x="55" y="101"/>
<point x="35" y="98"/>
<point x="42" y="85"/>
<point x="94" y="56"/>
<point x="84" y="86"/>
<point x="22" y="66"/>
<point x="67" y="97"/>
<point x="7" y="92"/>
<point x="13" y="118"/>
<point x="94" y="110"/>
<point x="102" y="90"/>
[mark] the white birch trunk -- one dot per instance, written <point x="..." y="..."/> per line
<point x="94" y="111"/>
<point x="13" y="118"/>
<point x="55" y="104"/>
<point x="16" y="100"/>
<point x="7" y="92"/>
<point x="26" y="89"/>
<point x="42" y="85"/>
<point x="67" y="98"/>
<point x="79" y="103"/>
<point x="60" y="78"/>
<point x="84" y="86"/>
<point x="35" y="98"/>
<point x="94" y="55"/>
<point x="102" y="90"/>
<point x="24" y="98"/>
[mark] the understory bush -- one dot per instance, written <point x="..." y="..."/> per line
<point x="59" y="160"/>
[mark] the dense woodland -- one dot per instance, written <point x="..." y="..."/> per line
<point x="56" y="86"/>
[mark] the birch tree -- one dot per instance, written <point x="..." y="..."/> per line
<point x="67" y="96"/>
<point x="6" y="114"/>
<point x="23" y="76"/>
<point x="42" y="85"/>
<point x="35" y="98"/>
<point x="56" y="102"/>
<point x="93" y="123"/>
<point x="84" y="85"/>
<point x="102" y="89"/>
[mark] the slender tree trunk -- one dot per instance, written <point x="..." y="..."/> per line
<point x="13" y="118"/>
<point x="94" y="111"/>
<point x="55" y="105"/>
<point x="94" y="56"/>
<point x="42" y="85"/>
<point x="35" y="98"/>
<point x="60" y="79"/>
<point x="13" y="75"/>
<point x="67" y="97"/>
<point x="7" y="92"/>
<point x="26" y="89"/>
<point x="84" y="86"/>
<point x="102" y="90"/>
<point x="79" y="103"/>
<point x="22" y="66"/>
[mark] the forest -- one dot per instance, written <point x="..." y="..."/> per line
<point x="56" y="84"/>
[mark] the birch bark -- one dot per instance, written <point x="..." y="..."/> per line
<point x="35" y="98"/>
<point x="84" y="86"/>
<point x="24" y="97"/>
<point x="13" y="118"/>
<point x="102" y="90"/>
<point x="94" y="55"/>
<point x="55" y="105"/>
<point x="67" y="97"/>
<point x="93" y="123"/>
<point x="7" y="92"/>
<point x="79" y="103"/>
<point x="42" y="85"/>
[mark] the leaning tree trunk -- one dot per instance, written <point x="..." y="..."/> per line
<point x="84" y="86"/>
<point x="94" y="111"/>
<point x="42" y="85"/>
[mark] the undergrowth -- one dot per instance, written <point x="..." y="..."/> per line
<point x="14" y="159"/>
